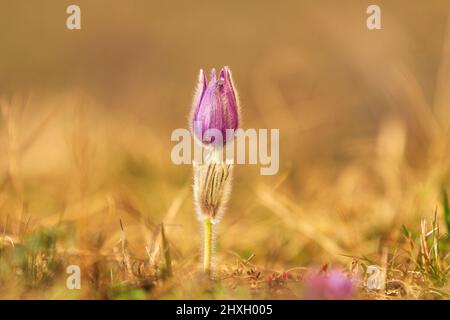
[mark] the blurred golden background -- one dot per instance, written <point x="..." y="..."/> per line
<point x="364" y="120"/>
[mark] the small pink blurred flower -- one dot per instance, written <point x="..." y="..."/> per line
<point x="333" y="285"/>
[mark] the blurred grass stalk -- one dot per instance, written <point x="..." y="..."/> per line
<point x="207" y="244"/>
<point x="212" y="185"/>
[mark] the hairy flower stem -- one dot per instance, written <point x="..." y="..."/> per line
<point x="208" y="250"/>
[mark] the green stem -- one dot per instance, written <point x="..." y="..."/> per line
<point x="207" y="245"/>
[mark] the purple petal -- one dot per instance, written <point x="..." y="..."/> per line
<point x="217" y="107"/>
<point x="213" y="76"/>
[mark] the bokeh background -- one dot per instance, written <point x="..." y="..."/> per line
<point x="364" y="120"/>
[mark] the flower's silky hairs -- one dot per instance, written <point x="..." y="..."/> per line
<point x="215" y="107"/>
<point x="211" y="188"/>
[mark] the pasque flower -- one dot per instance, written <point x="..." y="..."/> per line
<point x="215" y="106"/>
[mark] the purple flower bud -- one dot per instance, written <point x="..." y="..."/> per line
<point x="215" y="108"/>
